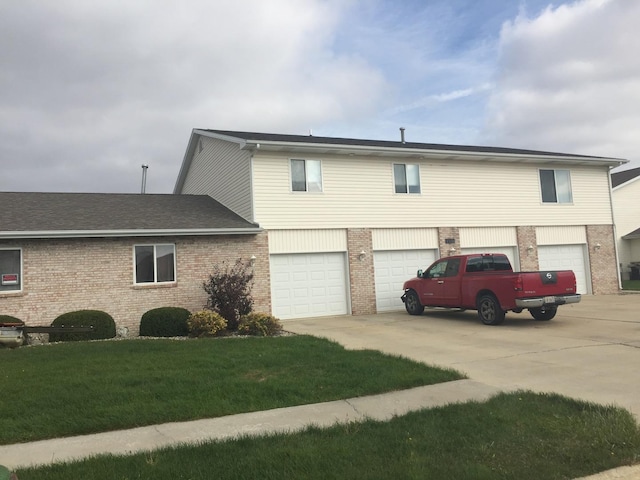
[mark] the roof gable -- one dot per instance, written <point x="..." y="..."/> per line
<point x="620" y="178"/>
<point x="35" y="215"/>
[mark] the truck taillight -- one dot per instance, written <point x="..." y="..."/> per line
<point x="518" y="286"/>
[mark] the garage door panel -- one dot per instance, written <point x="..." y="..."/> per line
<point x="565" y="257"/>
<point x="392" y="268"/>
<point x="309" y="284"/>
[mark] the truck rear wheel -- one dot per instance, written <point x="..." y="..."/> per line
<point x="489" y="310"/>
<point x="543" y="313"/>
<point x="412" y="303"/>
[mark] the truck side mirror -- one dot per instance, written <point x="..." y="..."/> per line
<point x="419" y="274"/>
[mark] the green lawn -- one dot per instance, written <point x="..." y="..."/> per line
<point x="520" y="436"/>
<point x="85" y="387"/>
<point x="631" y="284"/>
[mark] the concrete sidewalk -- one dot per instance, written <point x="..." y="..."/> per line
<point x="281" y="420"/>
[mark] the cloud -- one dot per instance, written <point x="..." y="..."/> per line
<point x="89" y="91"/>
<point x="568" y="80"/>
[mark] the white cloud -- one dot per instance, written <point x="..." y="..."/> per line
<point x="568" y="80"/>
<point x="91" y="90"/>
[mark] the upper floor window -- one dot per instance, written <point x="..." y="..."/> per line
<point x="155" y="263"/>
<point x="306" y="176"/>
<point x="10" y="270"/>
<point x="406" y="178"/>
<point x="555" y="186"/>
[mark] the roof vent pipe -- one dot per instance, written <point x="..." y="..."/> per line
<point x="402" y="134"/>
<point x="143" y="188"/>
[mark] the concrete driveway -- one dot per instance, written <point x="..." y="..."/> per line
<point x="591" y="350"/>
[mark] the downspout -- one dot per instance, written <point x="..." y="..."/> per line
<point x="615" y="231"/>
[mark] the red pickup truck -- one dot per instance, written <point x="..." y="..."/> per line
<point x="488" y="284"/>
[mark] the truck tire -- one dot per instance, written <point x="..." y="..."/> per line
<point x="543" y="314"/>
<point x="489" y="310"/>
<point x="412" y="303"/>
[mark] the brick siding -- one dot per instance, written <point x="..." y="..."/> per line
<point x="64" y="275"/>
<point x="361" y="274"/>
<point x="602" y="259"/>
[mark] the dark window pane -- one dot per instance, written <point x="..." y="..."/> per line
<point x="165" y="263"/>
<point x="400" y="178"/>
<point x="548" y="186"/>
<point x="10" y="271"/>
<point x="144" y="264"/>
<point x="298" y="176"/>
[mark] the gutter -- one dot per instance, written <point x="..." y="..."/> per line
<point x="129" y="233"/>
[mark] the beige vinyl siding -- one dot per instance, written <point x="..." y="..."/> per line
<point x="404" y="238"/>
<point x="303" y="241"/>
<point x="488" y="237"/>
<point x="358" y="193"/>
<point x="627" y="214"/>
<point x="561" y="235"/>
<point x="223" y="171"/>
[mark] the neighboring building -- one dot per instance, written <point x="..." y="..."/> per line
<point x="626" y="201"/>
<point x="123" y="254"/>
<point x="349" y="220"/>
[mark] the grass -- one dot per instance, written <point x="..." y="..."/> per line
<point x="521" y="436"/>
<point x="631" y="284"/>
<point x="78" y="388"/>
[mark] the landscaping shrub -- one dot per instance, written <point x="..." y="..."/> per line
<point x="165" y="322"/>
<point x="103" y="326"/>
<point x="229" y="291"/>
<point x="10" y="319"/>
<point x="259" y="324"/>
<point x="206" y="323"/>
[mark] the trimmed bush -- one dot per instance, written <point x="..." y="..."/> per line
<point x="206" y="323"/>
<point x="259" y="324"/>
<point x="103" y="326"/>
<point x="229" y="291"/>
<point x="165" y="322"/>
<point x="10" y="319"/>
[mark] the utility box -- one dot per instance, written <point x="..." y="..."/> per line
<point x="11" y="337"/>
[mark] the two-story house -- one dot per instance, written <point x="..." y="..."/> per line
<point x="626" y="195"/>
<point x="349" y="220"/>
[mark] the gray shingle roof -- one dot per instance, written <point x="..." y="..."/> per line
<point x="275" y="137"/>
<point x="129" y="214"/>
<point x="619" y="178"/>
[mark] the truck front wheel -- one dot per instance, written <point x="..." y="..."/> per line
<point x="489" y="310"/>
<point x="412" y="303"/>
<point x="543" y="314"/>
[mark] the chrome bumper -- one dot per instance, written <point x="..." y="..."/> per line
<point x="543" y="301"/>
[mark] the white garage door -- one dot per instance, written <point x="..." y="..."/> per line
<point x="565" y="257"/>
<point x="308" y="285"/>
<point x="392" y="268"/>
<point x="510" y="252"/>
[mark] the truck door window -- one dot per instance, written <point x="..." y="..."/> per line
<point x="438" y="270"/>
<point x="452" y="267"/>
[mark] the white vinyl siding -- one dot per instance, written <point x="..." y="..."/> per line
<point x="627" y="212"/>
<point x="356" y="194"/>
<point x="488" y="237"/>
<point x="223" y="171"/>
<point x="301" y="241"/>
<point x="404" y="238"/>
<point x="561" y="235"/>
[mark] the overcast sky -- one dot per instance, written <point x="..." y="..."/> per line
<point x="91" y="90"/>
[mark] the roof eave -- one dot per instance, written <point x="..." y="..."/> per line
<point x="430" y="153"/>
<point x="18" y="235"/>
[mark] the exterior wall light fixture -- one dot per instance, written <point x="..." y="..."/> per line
<point x="361" y="255"/>
<point x="597" y="247"/>
<point x="253" y="260"/>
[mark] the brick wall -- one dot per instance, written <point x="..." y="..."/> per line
<point x="361" y="275"/>
<point x="63" y="275"/>
<point x="602" y="259"/>
<point x="445" y="233"/>
<point x="526" y="237"/>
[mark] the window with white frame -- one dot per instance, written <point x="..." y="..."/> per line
<point x="155" y="263"/>
<point x="406" y="178"/>
<point x="10" y="270"/>
<point x="306" y="175"/>
<point x="555" y="186"/>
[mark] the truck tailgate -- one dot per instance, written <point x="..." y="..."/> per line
<point x="545" y="283"/>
